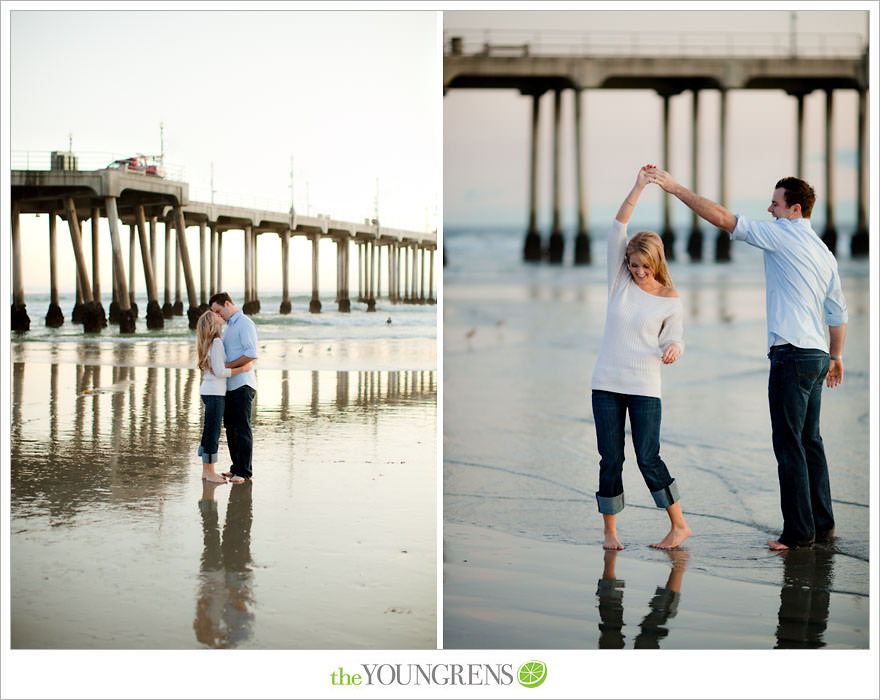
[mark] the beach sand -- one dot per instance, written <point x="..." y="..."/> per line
<point x="521" y="463"/>
<point x="116" y="543"/>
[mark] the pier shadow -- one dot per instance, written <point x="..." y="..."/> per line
<point x="663" y="605"/>
<point x="225" y="601"/>
<point x="804" y="598"/>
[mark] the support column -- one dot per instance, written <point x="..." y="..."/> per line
<point x="248" y="306"/>
<point x="154" y="225"/>
<point x="556" y="245"/>
<point x="668" y="234"/>
<point x="344" y="300"/>
<point x="255" y="295"/>
<point x="360" y="261"/>
<point x="415" y="272"/>
<point x="408" y="269"/>
<point x="213" y="261"/>
<point x="830" y="235"/>
<point x="315" y="302"/>
<point x="203" y="268"/>
<point x="722" y="239"/>
<point x="96" y="267"/>
<point x="91" y="319"/>
<point x="155" y="319"/>
<point x="378" y="294"/>
<point x="532" y="248"/>
<point x="582" y="254"/>
<point x="167" y="307"/>
<point x="859" y="242"/>
<point x="431" y="299"/>
<point x="54" y="316"/>
<point x="391" y="272"/>
<point x="126" y="317"/>
<point x="371" y="276"/>
<point x="183" y="253"/>
<point x="20" y="321"/>
<point x="131" y="269"/>
<point x="77" y="314"/>
<point x="800" y="134"/>
<point x="695" y="240"/>
<point x="178" y="302"/>
<point x="421" y="275"/>
<point x="219" y="261"/>
<point x="285" y="272"/>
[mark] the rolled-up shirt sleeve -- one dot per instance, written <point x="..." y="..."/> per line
<point x="835" y="303"/>
<point x="249" y="341"/>
<point x="761" y="234"/>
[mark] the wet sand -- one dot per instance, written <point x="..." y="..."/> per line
<point x="116" y="543"/>
<point x="521" y="465"/>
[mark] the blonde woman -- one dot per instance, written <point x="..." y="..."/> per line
<point x="212" y="362"/>
<point x="643" y="331"/>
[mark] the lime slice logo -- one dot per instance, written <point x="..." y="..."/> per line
<point x="532" y="673"/>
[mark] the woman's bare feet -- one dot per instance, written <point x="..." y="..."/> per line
<point x="676" y="535"/>
<point x="611" y="541"/>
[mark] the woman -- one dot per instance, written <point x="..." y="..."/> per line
<point x="643" y="328"/>
<point x="212" y="362"/>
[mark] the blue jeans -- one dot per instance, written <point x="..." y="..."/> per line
<point x="609" y="414"/>
<point x="795" y="394"/>
<point x="239" y="438"/>
<point x="210" y="445"/>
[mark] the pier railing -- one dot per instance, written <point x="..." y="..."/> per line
<point x="520" y="43"/>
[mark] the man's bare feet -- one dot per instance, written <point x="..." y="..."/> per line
<point x="213" y="478"/>
<point x="776" y="545"/>
<point x="234" y="479"/>
<point x="611" y="541"/>
<point x="674" y="538"/>
<point x="228" y="475"/>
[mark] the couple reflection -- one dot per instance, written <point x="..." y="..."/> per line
<point x="664" y="604"/>
<point x="224" y="607"/>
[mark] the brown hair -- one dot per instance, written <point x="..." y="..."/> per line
<point x="648" y="244"/>
<point x="797" y="191"/>
<point x="219" y="298"/>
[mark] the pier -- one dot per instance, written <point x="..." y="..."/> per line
<point x="144" y="202"/>
<point x="668" y="65"/>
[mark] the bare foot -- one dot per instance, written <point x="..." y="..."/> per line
<point x="676" y="536"/>
<point x="228" y="475"/>
<point x="213" y="478"/>
<point x="776" y="545"/>
<point x="611" y="541"/>
<point x="236" y="479"/>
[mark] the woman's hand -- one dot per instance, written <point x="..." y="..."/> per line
<point x="671" y="354"/>
<point x="661" y="177"/>
<point x="247" y="367"/>
<point x="644" y="177"/>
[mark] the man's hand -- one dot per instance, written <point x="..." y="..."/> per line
<point x="835" y="373"/>
<point x="662" y="178"/>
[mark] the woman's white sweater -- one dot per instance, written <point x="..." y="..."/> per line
<point x="215" y="384"/>
<point x="638" y="328"/>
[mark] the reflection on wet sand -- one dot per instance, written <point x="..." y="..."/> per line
<point x="804" y="598"/>
<point x="664" y="604"/>
<point x="225" y="603"/>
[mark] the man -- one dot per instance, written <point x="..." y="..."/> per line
<point x="240" y="344"/>
<point x="803" y="296"/>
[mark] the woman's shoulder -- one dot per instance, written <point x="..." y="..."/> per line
<point x="668" y="292"/>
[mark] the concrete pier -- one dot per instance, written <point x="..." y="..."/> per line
<point x="20" y="319"/>
<point x="859" y="242"/>
<point x="471" y="62"/>
<point x="582" y="240"/>
<point x="556" y="245"/>
<point x="695" y="240"/>
<point x="829" y="236"/>
<point x="722" y="238"/>
<point x="132" y="199"/>
<point x="54" y="316"/>
<point x="91" y="317"/>
<point x="285" y="272"/>
<point x="96" y="267"/>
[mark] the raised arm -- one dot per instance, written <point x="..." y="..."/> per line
<point x="706" y="209"/>
<point x="626" y="208"/>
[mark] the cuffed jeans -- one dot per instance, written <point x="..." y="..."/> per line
<point x="795" y="395"/>
<point x="210" y="445"/>
<point x="609" y="414"/>
<point x="239" y="438"/>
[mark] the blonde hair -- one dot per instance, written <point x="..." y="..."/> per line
<point x="649" y="245"/>
<point x="206" y="331"/>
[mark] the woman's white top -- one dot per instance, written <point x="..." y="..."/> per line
<point x="215" y="384"/>
<point x="638" y="328"/>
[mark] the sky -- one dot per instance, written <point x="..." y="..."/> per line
<point x="244" y="91"/>
<point x="486" y="133"/>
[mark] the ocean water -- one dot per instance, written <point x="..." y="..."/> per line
<point x="519" y="446"/>
<point x="116" y="543"/>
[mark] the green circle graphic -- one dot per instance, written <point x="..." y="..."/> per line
<point x="531" y="674"/>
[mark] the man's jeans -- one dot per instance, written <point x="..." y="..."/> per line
<point x="239" y="439"/>
<point x="609" y="414"/>
<point x="795" y="394"/>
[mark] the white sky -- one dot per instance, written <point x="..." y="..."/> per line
<point x="487" y="132"/>
<point x="352" y="96"/>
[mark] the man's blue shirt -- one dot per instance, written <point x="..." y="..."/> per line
<point x="240" y="339"/>
<point x="803" y="285"/>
